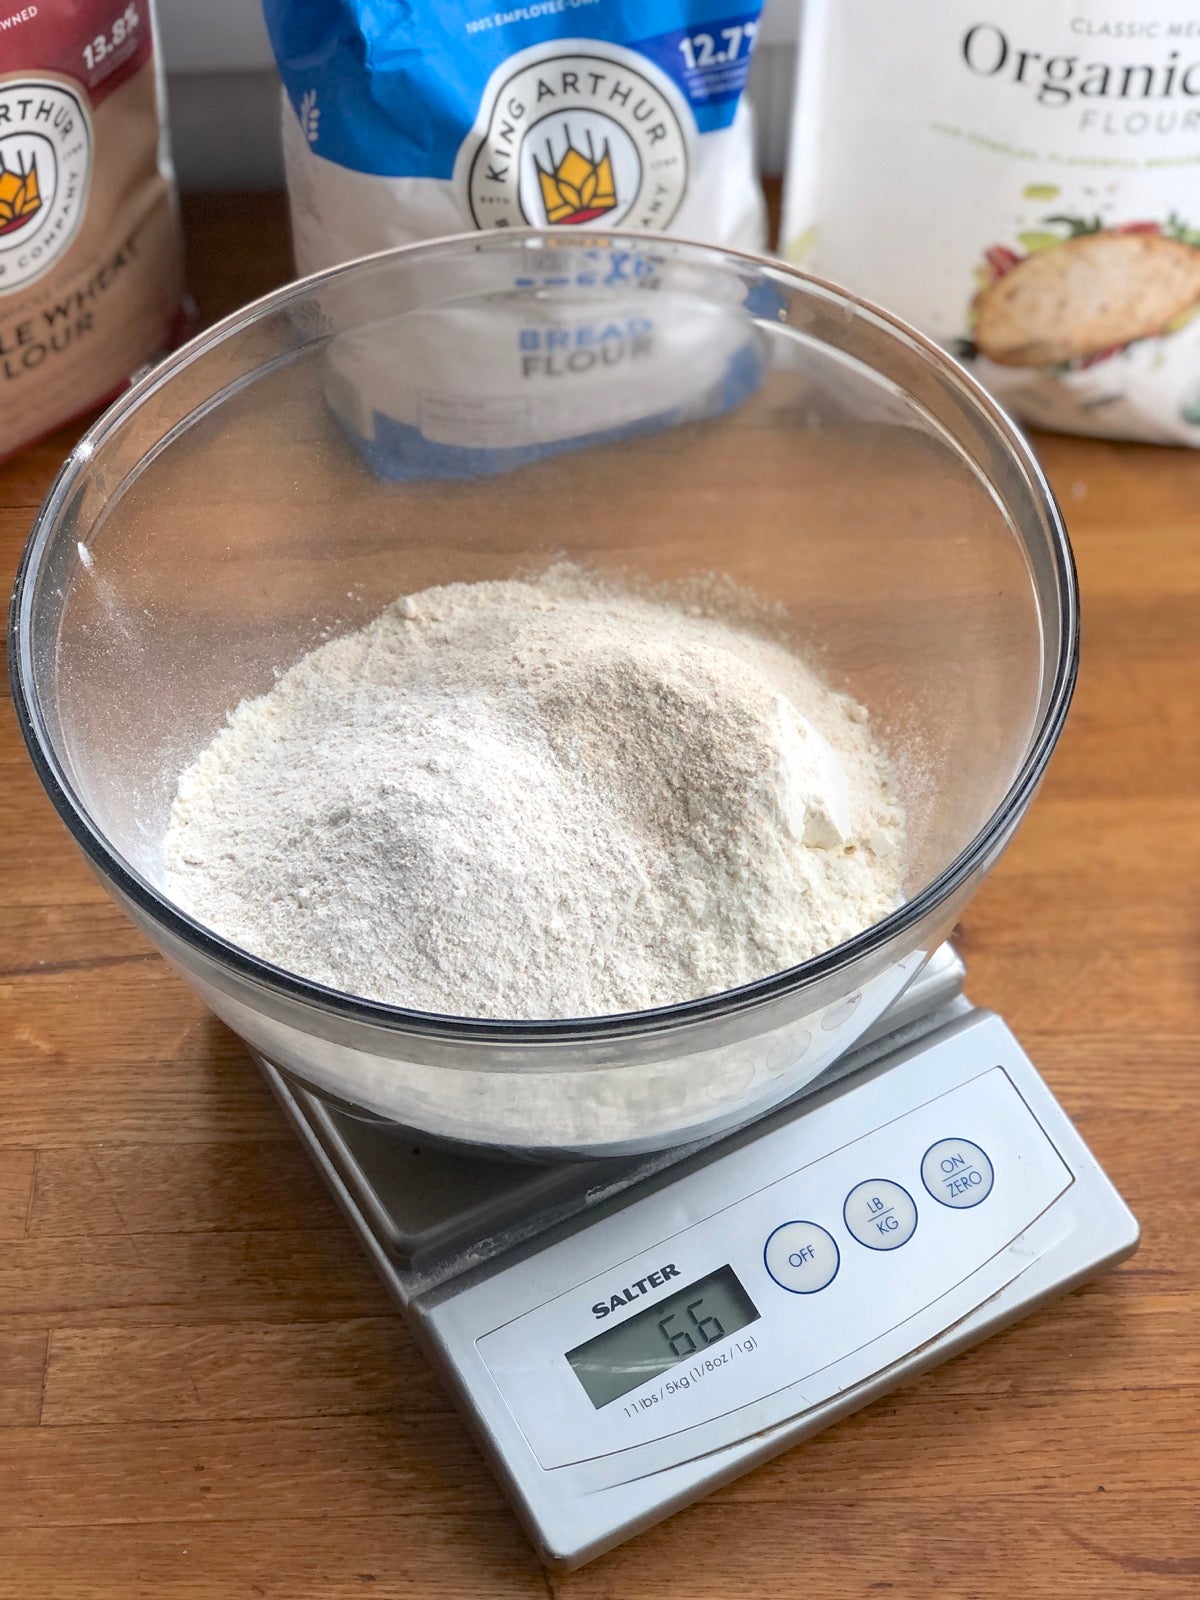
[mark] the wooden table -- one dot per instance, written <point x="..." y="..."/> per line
<point x="204" y="1391"/>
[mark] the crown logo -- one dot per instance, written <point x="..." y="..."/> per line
<point x="580" y="187"/>
<point x="20" y="197"/>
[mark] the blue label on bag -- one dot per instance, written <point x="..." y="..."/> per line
<point x="586" y="110"/>
<point x="710" y="64"/>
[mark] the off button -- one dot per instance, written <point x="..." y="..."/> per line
<point x="957" y="1173"/>
<point x="802" y="1257"/>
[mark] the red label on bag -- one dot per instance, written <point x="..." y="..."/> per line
<point x="98" y="46"/>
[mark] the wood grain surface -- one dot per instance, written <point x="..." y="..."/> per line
<point x="205" y="1393"/>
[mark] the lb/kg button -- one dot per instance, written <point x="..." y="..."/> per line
<point x="880" y="1214"/>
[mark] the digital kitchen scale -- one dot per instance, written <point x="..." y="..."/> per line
<point x="624" y="1336"/>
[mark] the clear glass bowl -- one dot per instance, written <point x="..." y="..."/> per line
<point x="470" y="408"/>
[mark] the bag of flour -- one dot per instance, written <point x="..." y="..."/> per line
<point x="480" y="385"/>
<point x="410" y="121"/>
<point x="1022" y="182"/>
<point x="91" y="282"/>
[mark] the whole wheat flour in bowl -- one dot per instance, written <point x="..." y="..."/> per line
<point x="551" y="797"/>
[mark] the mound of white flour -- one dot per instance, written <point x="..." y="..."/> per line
<point x="541" y="798"/>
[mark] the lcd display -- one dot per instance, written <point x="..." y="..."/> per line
<point x="662" y="1336"/>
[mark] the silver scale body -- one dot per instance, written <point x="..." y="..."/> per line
<point x="848" y="1216"/>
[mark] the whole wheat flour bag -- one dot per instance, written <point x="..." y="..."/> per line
<point x="1022" y="181"/>
<point x="407" y="121"/>
<point x="90" y="265"/>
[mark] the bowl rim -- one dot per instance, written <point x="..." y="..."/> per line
<point x="121" y="876"/>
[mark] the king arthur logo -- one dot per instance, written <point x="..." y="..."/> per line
<point x="20" y="197"/>
<point x="45" y="171"/>
<point x="573" y="140"/>
<point x="580" y="188"/>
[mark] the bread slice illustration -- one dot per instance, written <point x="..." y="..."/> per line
<point x="1087" y="295"/>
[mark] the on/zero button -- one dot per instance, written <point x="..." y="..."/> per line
<point x="957" y="1173"/>
<point x="802" y="1257"/>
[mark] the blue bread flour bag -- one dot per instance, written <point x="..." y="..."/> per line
<point x="404" y="122"/>
<point x="407" y="121"/>
<point x="579" y="346"/>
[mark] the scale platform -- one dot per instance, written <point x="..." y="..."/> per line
<point x="624" y="1336"/>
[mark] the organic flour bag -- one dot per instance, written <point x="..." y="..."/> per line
<point x="406" y="121"/>
<point x="90" y="264"/>
<point x="1022" y="181"/>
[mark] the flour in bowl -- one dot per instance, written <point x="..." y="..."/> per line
<point x="550" y="797"/>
